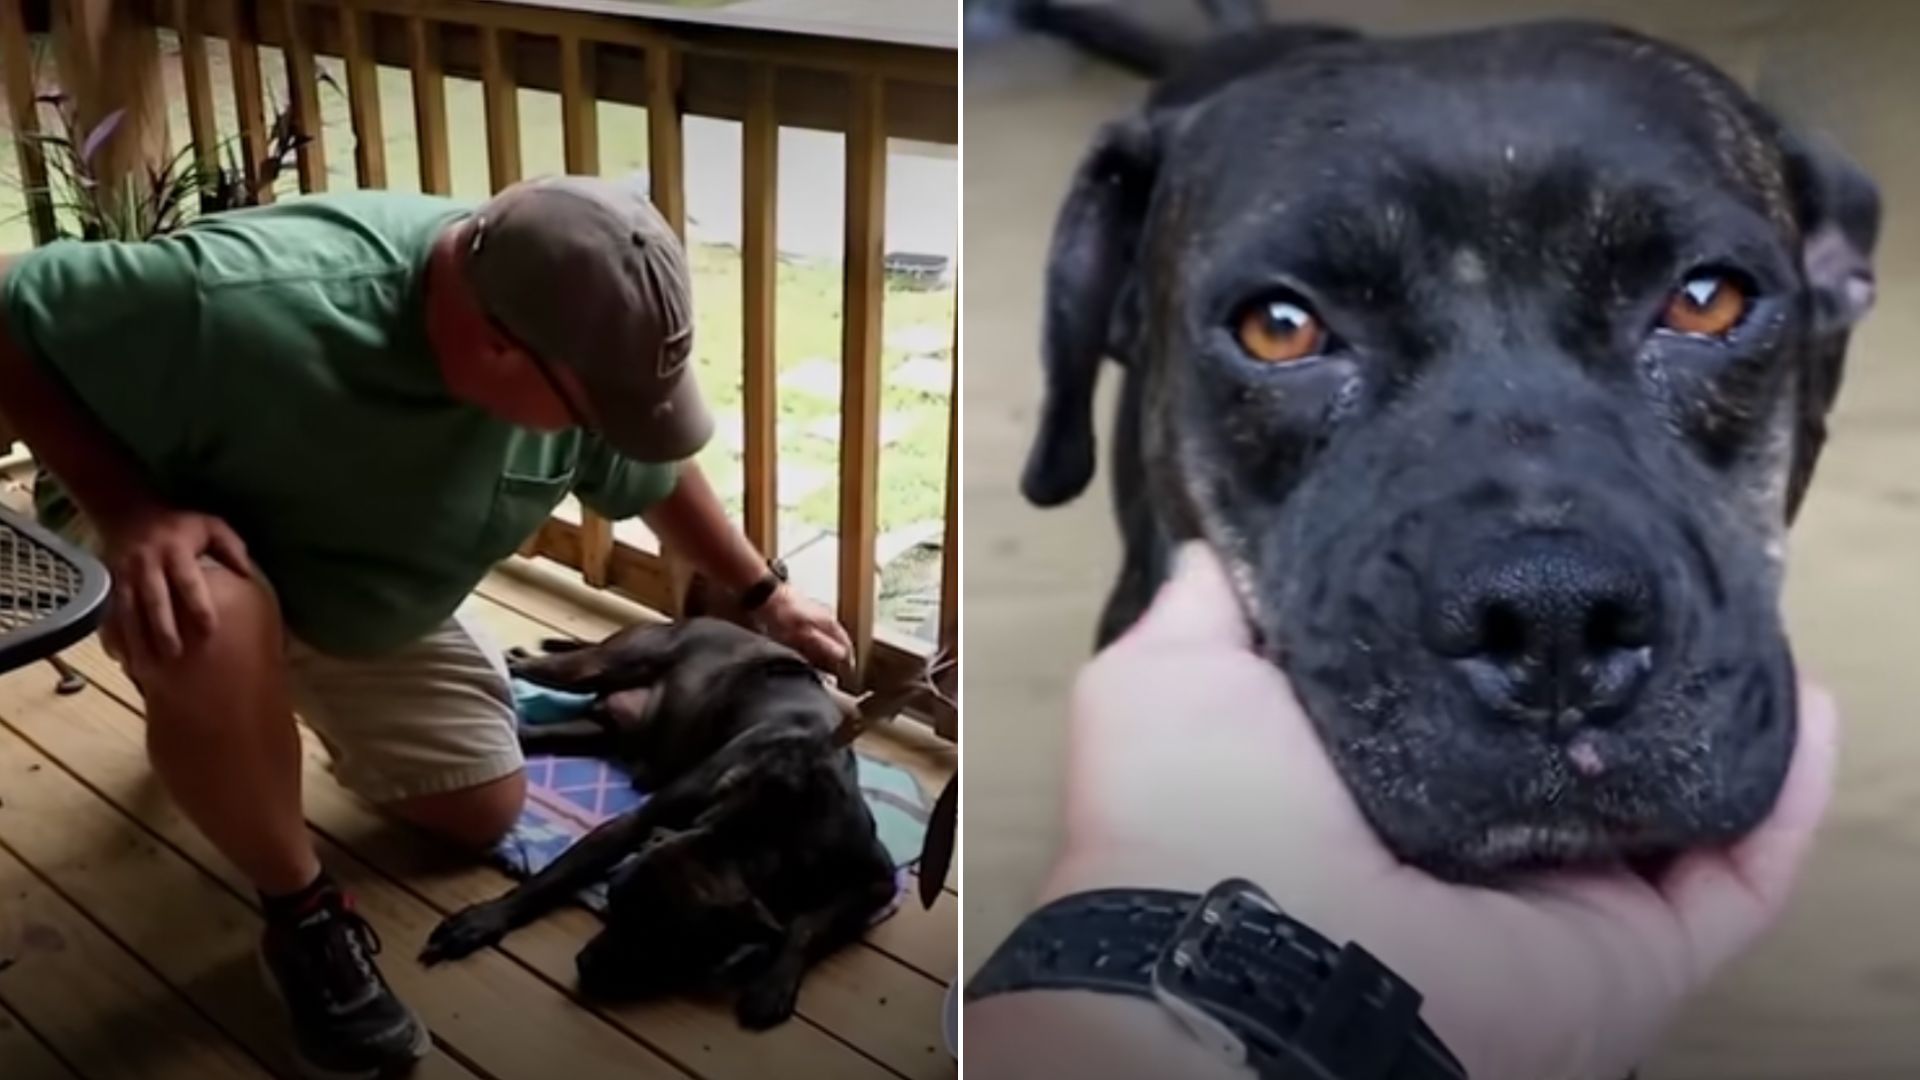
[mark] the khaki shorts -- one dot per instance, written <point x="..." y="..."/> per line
<point x="433" y="717"/>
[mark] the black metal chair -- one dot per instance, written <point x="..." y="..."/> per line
<point x="52" y="594"/>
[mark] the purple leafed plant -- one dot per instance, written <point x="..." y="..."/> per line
<point x="155" y="198"/>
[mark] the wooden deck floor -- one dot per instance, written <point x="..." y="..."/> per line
<point x="127" y="943"/>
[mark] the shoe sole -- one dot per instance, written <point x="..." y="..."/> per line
<point x="310" y="1070"/>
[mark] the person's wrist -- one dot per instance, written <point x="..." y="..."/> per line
<point x="767" y="592"/>
<point x="1081" y="870"/>
<point x="777" y="603"/>
<point x="1134" y="870"/>
<point x="118" y="521"/>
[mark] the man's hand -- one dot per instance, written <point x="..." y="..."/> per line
<point x="806" y="627"/>
<point x="1190" y="761"/>
<point x="160" y="604"/>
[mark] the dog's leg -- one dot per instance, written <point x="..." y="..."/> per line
<point x="633" y="657"/>
<point x="568" y="738"/>
<point x="520" y="654"/>
<point x="713" y="789"/>
<point x="591" y="858"/>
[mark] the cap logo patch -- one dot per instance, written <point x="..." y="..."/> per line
<point x="674" y="351"/>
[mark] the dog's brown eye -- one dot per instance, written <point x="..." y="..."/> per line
<point x="1280" y="331"/>
<point x="1706" y="305"/>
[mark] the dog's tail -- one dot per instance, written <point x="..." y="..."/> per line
<point x="1120" y="40"/>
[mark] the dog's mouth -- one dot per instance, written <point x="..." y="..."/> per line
<point x="1524" y="845"/>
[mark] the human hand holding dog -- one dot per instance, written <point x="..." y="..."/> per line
<point x="1191" y="761"/>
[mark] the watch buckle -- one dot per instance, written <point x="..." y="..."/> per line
<point x="1190" y="951"/>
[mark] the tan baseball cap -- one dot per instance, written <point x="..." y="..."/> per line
<point x="587" y="274"/>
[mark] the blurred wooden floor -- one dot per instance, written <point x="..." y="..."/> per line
<point x="127" y="944"/>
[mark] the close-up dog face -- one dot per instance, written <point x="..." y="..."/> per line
<point x="1495" y="366"/>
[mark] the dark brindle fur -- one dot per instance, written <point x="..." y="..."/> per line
<point x="756" y="854"/>
<point x="1518" y="549"/>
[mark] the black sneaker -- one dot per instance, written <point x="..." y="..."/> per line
<point x="347" y="1024"/>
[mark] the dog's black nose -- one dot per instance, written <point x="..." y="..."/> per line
<point x="1552" y="628"/>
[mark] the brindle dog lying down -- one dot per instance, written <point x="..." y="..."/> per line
<point x="757" y="853"/>
<point x="1494" y="365"/>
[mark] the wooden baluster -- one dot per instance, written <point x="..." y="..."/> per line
<point x="665" y="150"/>
<point x="503" y="106"/>
<point x="579" y="106"/>
<point x="759" y="271"/>
<point x="862" y="294"/>
<point x="303" y="92"/>
<point x="950" y="546"/>
<point x="243" y="47"/>
<point x="199" y="84"/>
<point x="580" y="120"/>
<point x="16" y="52"/>
<point x="430" y="107"/>
<point x="363" y="98"/>
<point x="666" y="185"/>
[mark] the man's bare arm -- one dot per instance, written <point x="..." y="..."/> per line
<point x="161" y="601"/>
<point x="693" y="522"/>
<point x="70" y="443"/>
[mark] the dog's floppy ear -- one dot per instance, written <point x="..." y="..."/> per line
<point x="1095" y="240"/>
<point x="1838" y="208"/>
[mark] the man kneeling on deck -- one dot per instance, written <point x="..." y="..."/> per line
<point x="300" y="436"/>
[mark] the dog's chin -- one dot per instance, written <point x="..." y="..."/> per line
<point x="1583" y="832"/>
<point x="1499" y="814"/>
<point x="1504" y="851"/>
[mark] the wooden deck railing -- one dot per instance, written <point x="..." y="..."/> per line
<point x="869" y="91"/>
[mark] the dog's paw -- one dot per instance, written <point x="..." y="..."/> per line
<point x="767" y="1003"/>
<point x="465" y="933"/>
<point x="517" y="655"/>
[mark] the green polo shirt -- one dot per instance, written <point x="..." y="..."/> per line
<point x="271" y="367"/>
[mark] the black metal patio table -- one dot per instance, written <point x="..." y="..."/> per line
<point x="52" y="594"/>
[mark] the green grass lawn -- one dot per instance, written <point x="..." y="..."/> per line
<point x="807" y="325"/>
<point x="912" y="468"/>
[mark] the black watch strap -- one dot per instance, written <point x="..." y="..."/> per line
<point x="762" y="591"/>
<point x="1256" y="986"/>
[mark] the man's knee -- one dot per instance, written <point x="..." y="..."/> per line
<point x="231" y="664"/>
<point x="475" y="818"/>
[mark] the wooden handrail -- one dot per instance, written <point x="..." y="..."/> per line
<point x="715" y="82"/>
<point x="870" y="91"/>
